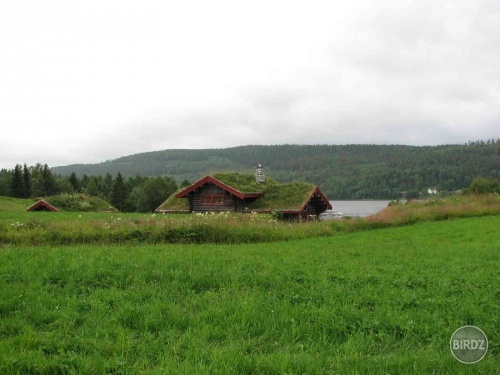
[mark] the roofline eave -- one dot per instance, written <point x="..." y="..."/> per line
<point x="222" y="185"/>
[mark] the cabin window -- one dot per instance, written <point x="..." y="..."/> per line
<point x="212" y="199"/>
<point x="218" y="199"/>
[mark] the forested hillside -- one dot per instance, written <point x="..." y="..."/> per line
<point x="342" y="171"/>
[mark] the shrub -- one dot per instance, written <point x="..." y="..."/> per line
<point x="483" y="185"/>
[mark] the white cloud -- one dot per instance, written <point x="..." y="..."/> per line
<point x="90" y="81"/>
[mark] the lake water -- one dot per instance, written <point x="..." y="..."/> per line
<point x="359" y="208"/>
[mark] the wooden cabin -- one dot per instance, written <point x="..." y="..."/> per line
<point x="243" y="193"/>
<point x="211" y="194"/>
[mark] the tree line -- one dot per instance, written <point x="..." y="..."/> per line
<point x="131" y="183"/>
<point x="341" y="171"/>
<point x="133" y="194"/>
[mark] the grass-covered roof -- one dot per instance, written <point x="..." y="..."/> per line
<point x="174" y="204"/>
<point x="78" y="203"/>
<point x="63" y="202"/>
<point x="15" y="204"/>
<point x="244" y="182"/>
<point x="285" y="197"/>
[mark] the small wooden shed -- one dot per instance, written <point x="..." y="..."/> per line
<point x="41" y="205"/>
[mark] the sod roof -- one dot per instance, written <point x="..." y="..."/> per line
<point x="285" y="197"/>
<point x="174" y="204"/>
<point x="78" y="203"/>
<point x="275" y="196"/>
<point x="244" y="182"/>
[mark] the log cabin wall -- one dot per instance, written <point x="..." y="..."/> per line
<point x="210" y="192"/>
<point x="243" y="204"/>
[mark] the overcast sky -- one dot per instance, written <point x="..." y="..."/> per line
<point x="86" y="81"/>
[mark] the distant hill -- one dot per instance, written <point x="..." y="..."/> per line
<point x="342" y="171"/>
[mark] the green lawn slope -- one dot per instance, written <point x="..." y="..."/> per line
<point x="372" y="302"/>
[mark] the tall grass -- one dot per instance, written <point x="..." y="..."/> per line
<point x="42" y="228"/>
<point x="452" y="207"/>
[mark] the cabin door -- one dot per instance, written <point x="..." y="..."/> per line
<point x="308" y="212"/>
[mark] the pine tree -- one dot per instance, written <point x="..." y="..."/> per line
<point x="107" y="185"/>
<point x="26" y="182"/>
<point x="119" y="193"/>
<point x="73" y="180"/>
<point x="49" y="182"/>
<point x="16" y="185"/>
<point x="92" y="188"/>
<point x="5" y="180"/>
<point x="148" y="196"/>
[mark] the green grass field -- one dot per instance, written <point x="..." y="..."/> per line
<point x="18" y="227"/>
<point x="382" y="301"/>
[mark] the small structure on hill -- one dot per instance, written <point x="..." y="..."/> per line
<point x="41" y="205"/>
<point x="259" y="174"/>
<point x="243" y="193"/>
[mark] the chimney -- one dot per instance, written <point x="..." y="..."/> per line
<point x="259" y="175"/>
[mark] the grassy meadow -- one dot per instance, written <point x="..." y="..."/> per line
<point x="370" y="302"/>
<point x="115" y="293"/>
<point x="18" y="227"/>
